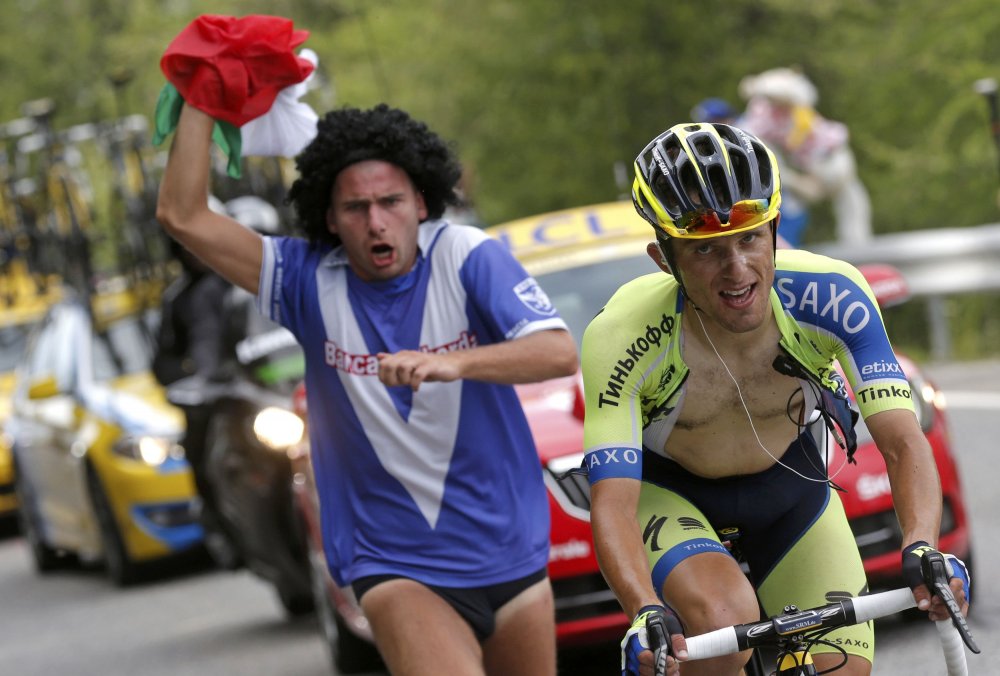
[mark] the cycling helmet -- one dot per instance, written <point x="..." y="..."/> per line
<point x="255" y="213"/>
<point x="701" y="180"/>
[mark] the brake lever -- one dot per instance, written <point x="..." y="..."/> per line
<point x="935" y="572"/>
<point x="659" y="642"/>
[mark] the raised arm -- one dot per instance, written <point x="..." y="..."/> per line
<point x="235" y="252"/>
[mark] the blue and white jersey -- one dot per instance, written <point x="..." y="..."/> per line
<point x="442" y="485"/>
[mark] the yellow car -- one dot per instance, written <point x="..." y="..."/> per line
<point x="99" y="471"/>
<point x="22" y="305"/>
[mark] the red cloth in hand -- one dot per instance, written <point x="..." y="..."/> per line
<point x="233" y="68"/>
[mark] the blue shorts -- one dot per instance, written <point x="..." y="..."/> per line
<point x="476" y="605"/>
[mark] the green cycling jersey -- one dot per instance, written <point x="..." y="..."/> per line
<point x="634" y="370"/>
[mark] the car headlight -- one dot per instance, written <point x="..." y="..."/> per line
<point x="153" y="451"/>
<point x="277" y="428"/>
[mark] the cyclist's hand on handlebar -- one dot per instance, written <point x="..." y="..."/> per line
<point x="651" y="642"/>
<point x="914" y="575"/>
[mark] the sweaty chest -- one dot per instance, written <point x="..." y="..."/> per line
<point x="715" y="399"/>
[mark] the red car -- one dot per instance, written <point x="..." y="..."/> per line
<point x="580" y="257"/>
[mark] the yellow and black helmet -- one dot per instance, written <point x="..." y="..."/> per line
<point x="706" y="180"/>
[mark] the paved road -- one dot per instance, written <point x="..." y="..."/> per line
<point x="196" y="621"/>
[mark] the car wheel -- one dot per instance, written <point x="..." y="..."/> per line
<point x="120" y="567"/>
<point x="295" y="602"/>
<point x="349" y="653"/>
<point x="46" y="558"/>
<point x="353" y="654"/>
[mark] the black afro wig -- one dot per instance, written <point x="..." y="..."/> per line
<point x="350" y="135"/>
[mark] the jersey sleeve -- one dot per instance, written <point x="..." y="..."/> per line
<point x="282" y="267"/>
<point x="833" y="303"/>
<point x="504" y="295"/>
<point x="622" y="347"/>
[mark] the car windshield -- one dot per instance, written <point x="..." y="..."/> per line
<point x="580" y="292"/>
<point x="12" y="342"/>
<point x="125" y="348"/>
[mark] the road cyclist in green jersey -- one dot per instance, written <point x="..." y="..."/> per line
<point x="706" y="391"/>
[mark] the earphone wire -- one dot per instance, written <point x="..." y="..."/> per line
<point x="746" y="409"/>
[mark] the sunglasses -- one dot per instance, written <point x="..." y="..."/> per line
<point x="706" y="223"/>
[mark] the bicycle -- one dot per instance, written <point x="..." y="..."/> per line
<point x="20" y="267"/>
<point x="66" y="240"/>
<point x="143" y="248"/>
<point x="792" y="632"/>
<point x="143" y="251"/>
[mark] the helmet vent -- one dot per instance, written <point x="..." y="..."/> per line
<point x="671" y="148"/>
<point x="742" y="173"/>
<point x="691" y="185"/>
<point x="764" y="167"/>
<point x="703" y="146"/>
<point x="719" y="187"/>
<point x="726" y="132"/>
<point x="665" y="191"/>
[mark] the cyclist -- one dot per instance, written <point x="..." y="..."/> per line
<point x="414" y="330"/>
<point x="701" y="387"/>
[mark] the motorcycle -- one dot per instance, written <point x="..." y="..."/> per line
<point x="250" y="428"/>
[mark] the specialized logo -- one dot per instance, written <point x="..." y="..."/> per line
<point x="661" y="162"/>
<point x="745" y="140"/>
<point x="830" y="302"/>
<point x="651" y="339"/>
<point x="534" y="297"/>
<point x="651" y="534"/>
<point x="689" y="523"/>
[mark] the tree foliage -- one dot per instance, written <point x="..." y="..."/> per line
<point x="545" y="99"/>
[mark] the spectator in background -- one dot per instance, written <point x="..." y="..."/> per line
<point x="816" y="162"/>
<point x="715" y="110"/>
<point x="794" y="212"/>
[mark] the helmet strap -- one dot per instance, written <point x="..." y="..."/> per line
<point x="667" y="250"/>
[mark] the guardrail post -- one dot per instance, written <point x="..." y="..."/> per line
<point x="940" y="327"/>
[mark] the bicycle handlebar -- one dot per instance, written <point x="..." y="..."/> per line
<point x="734" y="639"/>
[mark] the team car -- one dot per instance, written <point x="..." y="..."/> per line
<point x="580" y="257"/>
<point x="99" y="472"/>
<point x="22" y="304"/>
